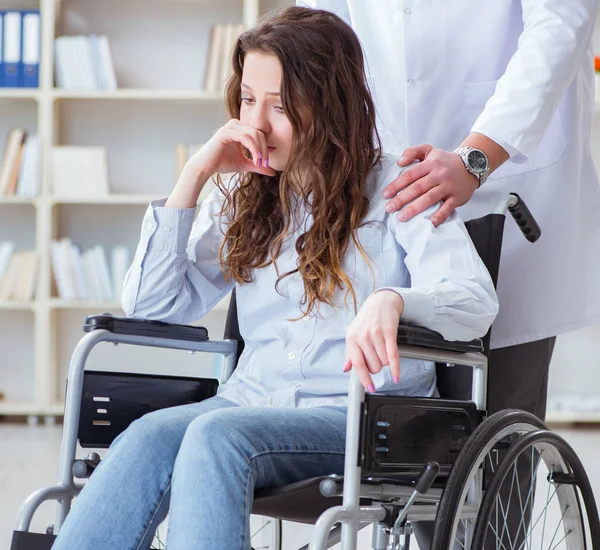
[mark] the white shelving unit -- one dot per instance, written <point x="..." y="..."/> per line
<point x="159" y="49"/>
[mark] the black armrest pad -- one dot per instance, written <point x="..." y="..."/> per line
<point x="420" y="336"/>
<point x="141" y="327"/>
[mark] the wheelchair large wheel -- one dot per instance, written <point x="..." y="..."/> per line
<point x="462" y="496"/>
<point x="555" y="519"/>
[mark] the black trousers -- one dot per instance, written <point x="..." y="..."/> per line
<point x="517" y="379"/>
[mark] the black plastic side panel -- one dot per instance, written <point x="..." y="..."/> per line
<point x="126" y="397"/>
<point x="23" y="540"/>
<point x="400" y="434"/>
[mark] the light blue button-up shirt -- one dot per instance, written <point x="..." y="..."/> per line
<point x="176" y="277"/>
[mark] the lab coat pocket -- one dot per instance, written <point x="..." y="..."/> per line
<point x="550" y="149"/>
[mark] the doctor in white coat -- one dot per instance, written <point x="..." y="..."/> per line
<point x="513" y="79"/>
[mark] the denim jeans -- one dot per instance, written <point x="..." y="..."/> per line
<point x="200" y="463"/>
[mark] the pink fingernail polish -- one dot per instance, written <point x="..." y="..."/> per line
<point x="371" y="388"/>
<point x="389" y="207"/>
<point x="386" y="194"/>
<point x="266" y="163"/>
<point x="396" y="379"/>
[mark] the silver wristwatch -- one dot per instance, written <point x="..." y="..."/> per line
<point x="475" y="161"/>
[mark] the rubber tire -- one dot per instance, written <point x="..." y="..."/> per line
<point x="449" y="505"/>
<point x="573" y="462"/>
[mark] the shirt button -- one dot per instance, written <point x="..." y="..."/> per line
<point x="411" y="81"/>
<point x="291" y="355"/>
<point x="167" y="228"/>
<point x="149" y="226"/>
<point x="407" y="11"/>
<point x="271" y="401"/>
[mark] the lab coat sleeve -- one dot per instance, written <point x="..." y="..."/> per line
<point x="550" y="51"/>
<point x="339" y="7"/>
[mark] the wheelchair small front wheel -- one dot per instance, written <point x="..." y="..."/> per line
<point x="472" y="471"/>
<point x="555" y="518"/>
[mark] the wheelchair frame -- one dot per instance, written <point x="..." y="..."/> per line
<point x="350" y="514"/>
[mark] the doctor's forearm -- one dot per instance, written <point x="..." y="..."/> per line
<point x="495" y="153"/>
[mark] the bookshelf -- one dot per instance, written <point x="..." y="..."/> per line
<point x="158" y="104"/>
<point x="159" y="50"/>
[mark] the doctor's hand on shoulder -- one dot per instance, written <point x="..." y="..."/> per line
<point x="223" y="153"/>
<point x="450" y="177"/>
<point x="371" y="337"/>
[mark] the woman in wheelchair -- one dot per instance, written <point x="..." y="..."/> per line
<point x="323" y="275"/>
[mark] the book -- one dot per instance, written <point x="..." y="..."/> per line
<point x="79" y="172"/>
<point x="30" y="170"/>
<point x="215" y="54"/>
<point x="84" y="62"/>
<point x="6" y="250"/>
<point x="24" y="288"/>
<point x="11" y="161"/>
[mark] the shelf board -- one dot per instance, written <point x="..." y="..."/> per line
<point x="25" y="408"/>
<point x="132" y="93"/>
<point x="18" y="200"/>
<point x="14" y="305"/>
<point x="20" y="93"/>
<point x="59" y="303"/>
<point x="109" y="199"/>
<point x="572" y="417"/>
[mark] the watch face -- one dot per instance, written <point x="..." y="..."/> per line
<point x="477" y="161"/>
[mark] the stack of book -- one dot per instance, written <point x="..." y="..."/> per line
<point x="20" y="168"/>
<point x="19" y="48"/>
<point x="218" y="67"/>
<point x="86" y="275"/>
<point x="18" y="269"/>
<point x="84" y="63"/>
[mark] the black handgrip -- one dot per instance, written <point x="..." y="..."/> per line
<point x="525" y="220"/>
<point x="427" y="477"/>
<point x="84" y="468"/>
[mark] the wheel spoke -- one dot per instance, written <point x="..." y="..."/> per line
<point x="498" y="539"/>
<point x="558" y="525"/>
<point x="566" y="535"/>
<point x="546" y="512"/>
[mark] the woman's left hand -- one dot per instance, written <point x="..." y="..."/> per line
<point x="371" y="337"/>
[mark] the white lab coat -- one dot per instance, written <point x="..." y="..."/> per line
<point x="520" y="72"/>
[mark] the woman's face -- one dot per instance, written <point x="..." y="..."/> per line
<point x="261" y="106"/>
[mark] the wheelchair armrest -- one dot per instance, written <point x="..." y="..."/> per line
<point x="420" y="336"/>
<point x="142" y="327"/>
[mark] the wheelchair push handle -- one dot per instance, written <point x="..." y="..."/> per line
<point x="524" y="218"/>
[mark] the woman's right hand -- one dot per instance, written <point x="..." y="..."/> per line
<point x="224" y="152"/>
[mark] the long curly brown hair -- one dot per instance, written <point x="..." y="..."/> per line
<point x="323" y="70"/>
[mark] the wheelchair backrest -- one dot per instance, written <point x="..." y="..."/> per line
<point x="453" y="383"/>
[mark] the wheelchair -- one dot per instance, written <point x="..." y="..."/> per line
<point x="408" y="460"/>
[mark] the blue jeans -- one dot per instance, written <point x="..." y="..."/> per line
<point x="201" y="464"/>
